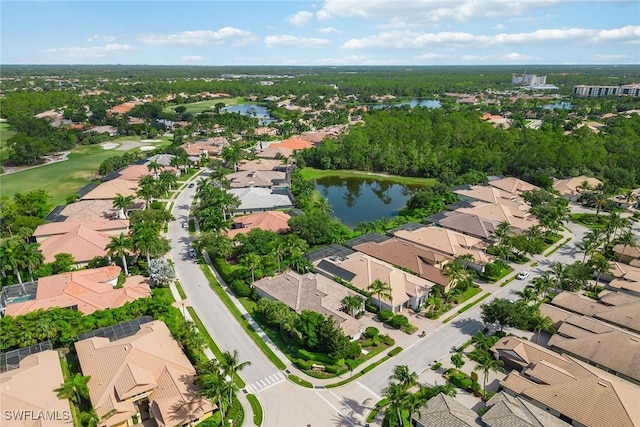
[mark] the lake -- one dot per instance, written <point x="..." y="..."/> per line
<point x="559" y="106"/>
<point x="412" y="103"/>
<point x="363" y="199"/>
<point x="254" y="110"/>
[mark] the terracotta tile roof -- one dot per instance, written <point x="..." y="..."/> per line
<point x="89" y="210"/>
<point x="137" y="172"/>
<point x="276" y="221"/>
<point x="492" y="195"/>
<point x="122" y="108"/>
<point x="260" y="165"/>
<point x="273" y="151"/>
<point x="311" y="292"/>
<point x="628" y="251"/>
<point x="109" y="189"/>
<point x="518" y="219"/>
<point x="571" y="186"/>
<point x="111" y="226"/>
<point x="82" y="243"/>
<point x="89" y="290"/>
<point x="151" y="360"/>
<point x="295" y="144"/>
<point x="31" y="388"/>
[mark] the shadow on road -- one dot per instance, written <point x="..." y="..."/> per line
<point x="468" y="326"/>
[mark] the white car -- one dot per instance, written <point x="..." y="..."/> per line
<point x="522" y="275"/>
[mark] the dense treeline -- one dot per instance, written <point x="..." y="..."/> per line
<point x="446" y="144"/>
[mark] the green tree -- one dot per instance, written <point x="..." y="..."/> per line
<point x="628" y="238"/>
<point x="499" y="311"/>
<point x="353" y="304"/>
<point x="381" y="290"/>
<point x="457" y="361"/>
<point x="540" y="323"/>
<point x="252" y="262"/>
<point x="230" y="365"/>
<point x="486" y="365"/>
<point x="121" y="203"/>
<point x="74" y="388"/>
<point x="118" y="247"/>
<point x="601" y="266"/>
<point x="404" y="377"/>
<point x="63" y="262"/>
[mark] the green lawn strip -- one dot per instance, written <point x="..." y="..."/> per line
<point x="374" y="412"/>
<point x="5" y="134"/>
<point x="469" y="293"/>
<point x="466" y="307"/>
<point x="212" y="344"/>
<point x="506" y="282"/>
<point x="180" y="290"/>
<point x="297" y="380"/>
<point x="256" y="409"/>
<point x="564" y="242"/>
<point x="311" y="173"/>
<point x="367" y="368"/>
<point x="240" y="318"/>
<point x="66" y="373"/>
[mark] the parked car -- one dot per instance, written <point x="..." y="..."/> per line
<point x="191" y="185"/>
<point x="185" y="224"/>
<point x="192" y="252"/>
<point x="522" y="275"/>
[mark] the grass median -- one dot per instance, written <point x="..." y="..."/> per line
<point x="256" y="408"/>
<point x="228" y="302"/>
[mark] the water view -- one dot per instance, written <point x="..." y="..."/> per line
<point x="412" y="103"/>
<point x="559" y="106"/>
<point x="363" y="199"/>
<point x="254" y="110"/>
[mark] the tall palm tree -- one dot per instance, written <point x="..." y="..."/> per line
<point x="74" y="388"/>
<point x="487" y="364"/>
<point x="560" y="275"/>
<point x="628" y="238"/>
<point x="118" y="247"/>
<point x="601" y="266"/>
<point x="541" y="323"/>
<point x="251" y="261"/>
<point x="502" y="231"/>
<point x="230" y="366"/>
<point x="587" y="246"/>
<point x="396" y="397"/>
<point x="154" y="167"/>
<point x="404" y="376"/>
<point x="146" y="240"/>
<point x="527" y="294"/>
<point x="12" y="257"/>
<point x="121" y="203"/>
<point x="30" y="256"/>
<point x="169" y="178"/>
<point x="353" y="304"/>
<point x="542" y="284"/>
<point x="600" y="202"/>
<point x="382" y="290"/>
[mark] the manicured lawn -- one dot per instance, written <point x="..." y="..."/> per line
<point x="590" y="220"/>
<point x="200" y="106"/>
<point x="311" y="173"/>
<point x="60" y="179"/>
<point x="5" y="134"/>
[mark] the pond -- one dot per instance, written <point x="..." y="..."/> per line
<point x="254" y="110"/>
<point x="412" y="103"/>
<point x="559" y="106"/>
<point x="363" y="199"/>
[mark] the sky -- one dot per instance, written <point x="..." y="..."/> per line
<point x="320" y="32"/>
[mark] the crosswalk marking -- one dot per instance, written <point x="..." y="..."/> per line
<point x="265" y="382"/>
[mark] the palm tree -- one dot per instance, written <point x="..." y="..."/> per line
<point x="542" y="284"/>
<point x="74" y="388"/>
<point x="487" y="364"/>
<point x="154" y="167"/>
<point x="118" y="247"/>
<point x="230" y="366"/>
<point x="527" y="294"/>
<point x="353" y="304"/>
<point x="617" y="222"/>
<point x="587" y="246"/>
<point x="31" y="256"/>
<point x="323" y="205"/>
<point x="382" y="290"/>
<point x="396" y="397"/>
<point x="168" y="178"/>
<point x="11" y="256"/>
<point x="89" y="418"/>
<point x="404" y="376"/>
<point x="560" y="273"/>
<point x="121" y="203"/>
<point x="502" y="231"/>
<point x="601" y="266"/>
<point x="252" y="261"/>
<point x="601" y="201"/>
<point x="626" y="239"/>
<point x="541" y="323"/>
<point x="457" y="360"/>
<point x="232" y="155"/>
<point x="456" y="273"/>
<point x="146" y="240"/>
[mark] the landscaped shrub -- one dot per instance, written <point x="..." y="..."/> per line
<point x="156" y="205"/>
<point x="304" y="354"/>
<point x="387" y="340"/>
<point x="385" y="315"/>
<point x="371" y="332"/>
<point x="398" y="321"/>
<point x="240" y="288"/>
<point x="395" y="351"/>
<point x="304" y="364"/>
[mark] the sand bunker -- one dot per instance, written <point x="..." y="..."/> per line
<point x="151" y="140"/>
<point x="109" y="145"/>
<point x="147" y="148"/>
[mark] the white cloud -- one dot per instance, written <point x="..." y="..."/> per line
<point x="299" y="42"/>
<point x="99" y="38"/>
<point x="518" y="57"/>
<point x="328" y="30"/>
<point x="300" y="18"/>
<point x="499" y="27"/>
<point x="197" y="37"/>
<point x="92" y="51"/>
<point x="430" y="56"/>
<point x="192" y="58"/>
<point x="628" y="33"/>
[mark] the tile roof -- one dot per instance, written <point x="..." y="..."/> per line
<point x="259" y="178"/>
<point x="313" y="292"/>
<point x="364" y="270"/>
<point x="513" y="185"/>
<point x="295" y="144"/>
<point x="491" y="195"/>
<point x="109" y="189"/>
<point x="89" y="210"/>
<point x="82" y="243"/>
<point x="629" y="251"/>
<point x="586" y="394"/>
<point x="509" y="411"/>
<point x="446" y="241"/>
<point x="468" y="224"/>
<point x="273" y="151"/>
<point x="444" y="411"/>
<point x="55" y="228"/>
<point x="570" y="186"/>
<point x="150" y="360"/>
<point x="89" y="290"/>
<point x="276" y="221"/>
<point x="260" y="165"/>
<point x="260" y="199"/>
<point x="31" y="388"/>
<point x="518" y="219"/>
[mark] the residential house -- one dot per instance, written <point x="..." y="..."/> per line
<point x="295" y="144"/>
<point x="312" y="292"/>
<point x="276" y="221"/>
<point x="505" y="410"/>
<point x="625" y="279"/>
<point x="27" y="393"/>
<point x="448" y="242"/>
<point x="161" y="159"/>
<point x="261" y="165"/>
<point x="519" y="219"/>
<point x="257" y="199"/>
<point x="620" y="310"/>
<point x="628" y="254"/>
<point x="89" y="210"/>
<point x="112" y="227"/>
<point x="110" y="130"/>
<point x="82" y="242"/>
<point x="512" y="185"/>
<point x="420" y="260"/>
<point x="572" y="188"/>
<point x="465" y="223"/>
<point x="572" y="390"/>
<point x="110" y="189"/>
<point x="137" y="172"/>
<point x="490" y="194"/>
<point x="265" y="179"/>
<point x="443" y="410"/>
<point x="361" y="270"/>
<point x="83" y="290"/>
<point x="274" y="151"/>
<point x="143" y="376"/>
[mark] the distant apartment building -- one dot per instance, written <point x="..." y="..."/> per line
<point x="585" y="91"/>
<point x="528" y="80"/>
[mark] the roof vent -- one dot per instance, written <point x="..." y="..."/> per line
<point x="600" y="383"/>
